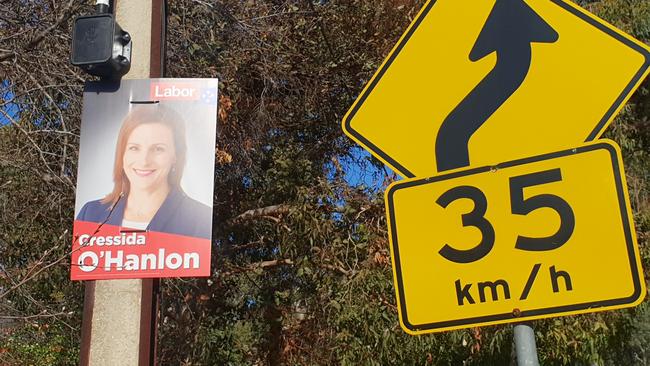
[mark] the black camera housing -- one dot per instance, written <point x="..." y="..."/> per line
<point x="100" y="46"/>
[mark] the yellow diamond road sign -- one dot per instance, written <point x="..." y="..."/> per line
<point x="533" y="238"/>
<point x="480" y="82"/>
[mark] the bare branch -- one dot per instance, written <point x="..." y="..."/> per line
<point x="67" y="12"/>
<point x="266" y="212"/>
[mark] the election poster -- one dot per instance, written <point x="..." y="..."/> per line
<point x="145" y="182"/>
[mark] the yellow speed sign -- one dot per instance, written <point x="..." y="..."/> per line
<point x="532" y="238"/>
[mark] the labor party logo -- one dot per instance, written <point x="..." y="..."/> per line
<point x="145" y="180"/>
<point x="182" y="91"/>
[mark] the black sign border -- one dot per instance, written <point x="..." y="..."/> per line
<point x="600" y="126"/>
<point x="524" y="314"/>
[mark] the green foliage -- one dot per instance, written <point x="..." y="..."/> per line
<point x="39" y="344"/>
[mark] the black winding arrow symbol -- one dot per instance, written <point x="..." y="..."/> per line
<point x="509" y="31"/>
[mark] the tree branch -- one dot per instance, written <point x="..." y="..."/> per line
<point x="266" y="212"/>
<point x="39" y="37"/>
<point x="66" y="14"/>
<point x="254" y="266"/>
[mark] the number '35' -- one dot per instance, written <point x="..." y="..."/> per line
<point x="519" y="206"/>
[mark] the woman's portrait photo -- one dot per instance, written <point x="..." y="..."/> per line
<point x="147" y="164"/>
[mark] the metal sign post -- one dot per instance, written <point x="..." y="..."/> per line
<point x="525" y="345"/>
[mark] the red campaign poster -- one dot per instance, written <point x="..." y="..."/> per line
<point x="145" y="184"/>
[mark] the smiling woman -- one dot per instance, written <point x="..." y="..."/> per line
<point x="149" y="162"/>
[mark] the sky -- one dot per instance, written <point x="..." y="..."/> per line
<point x="361" y="169"/>
<point x="10" y="108"/>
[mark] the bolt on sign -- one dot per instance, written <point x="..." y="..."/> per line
<point x="526" y="239"/>
<point x="475" y="83"/>
<point x="145" y="179"/>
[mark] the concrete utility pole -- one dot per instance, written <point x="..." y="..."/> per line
<point x="120" y="316"/>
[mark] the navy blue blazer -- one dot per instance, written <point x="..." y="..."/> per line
<point x="179" y="214"/>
